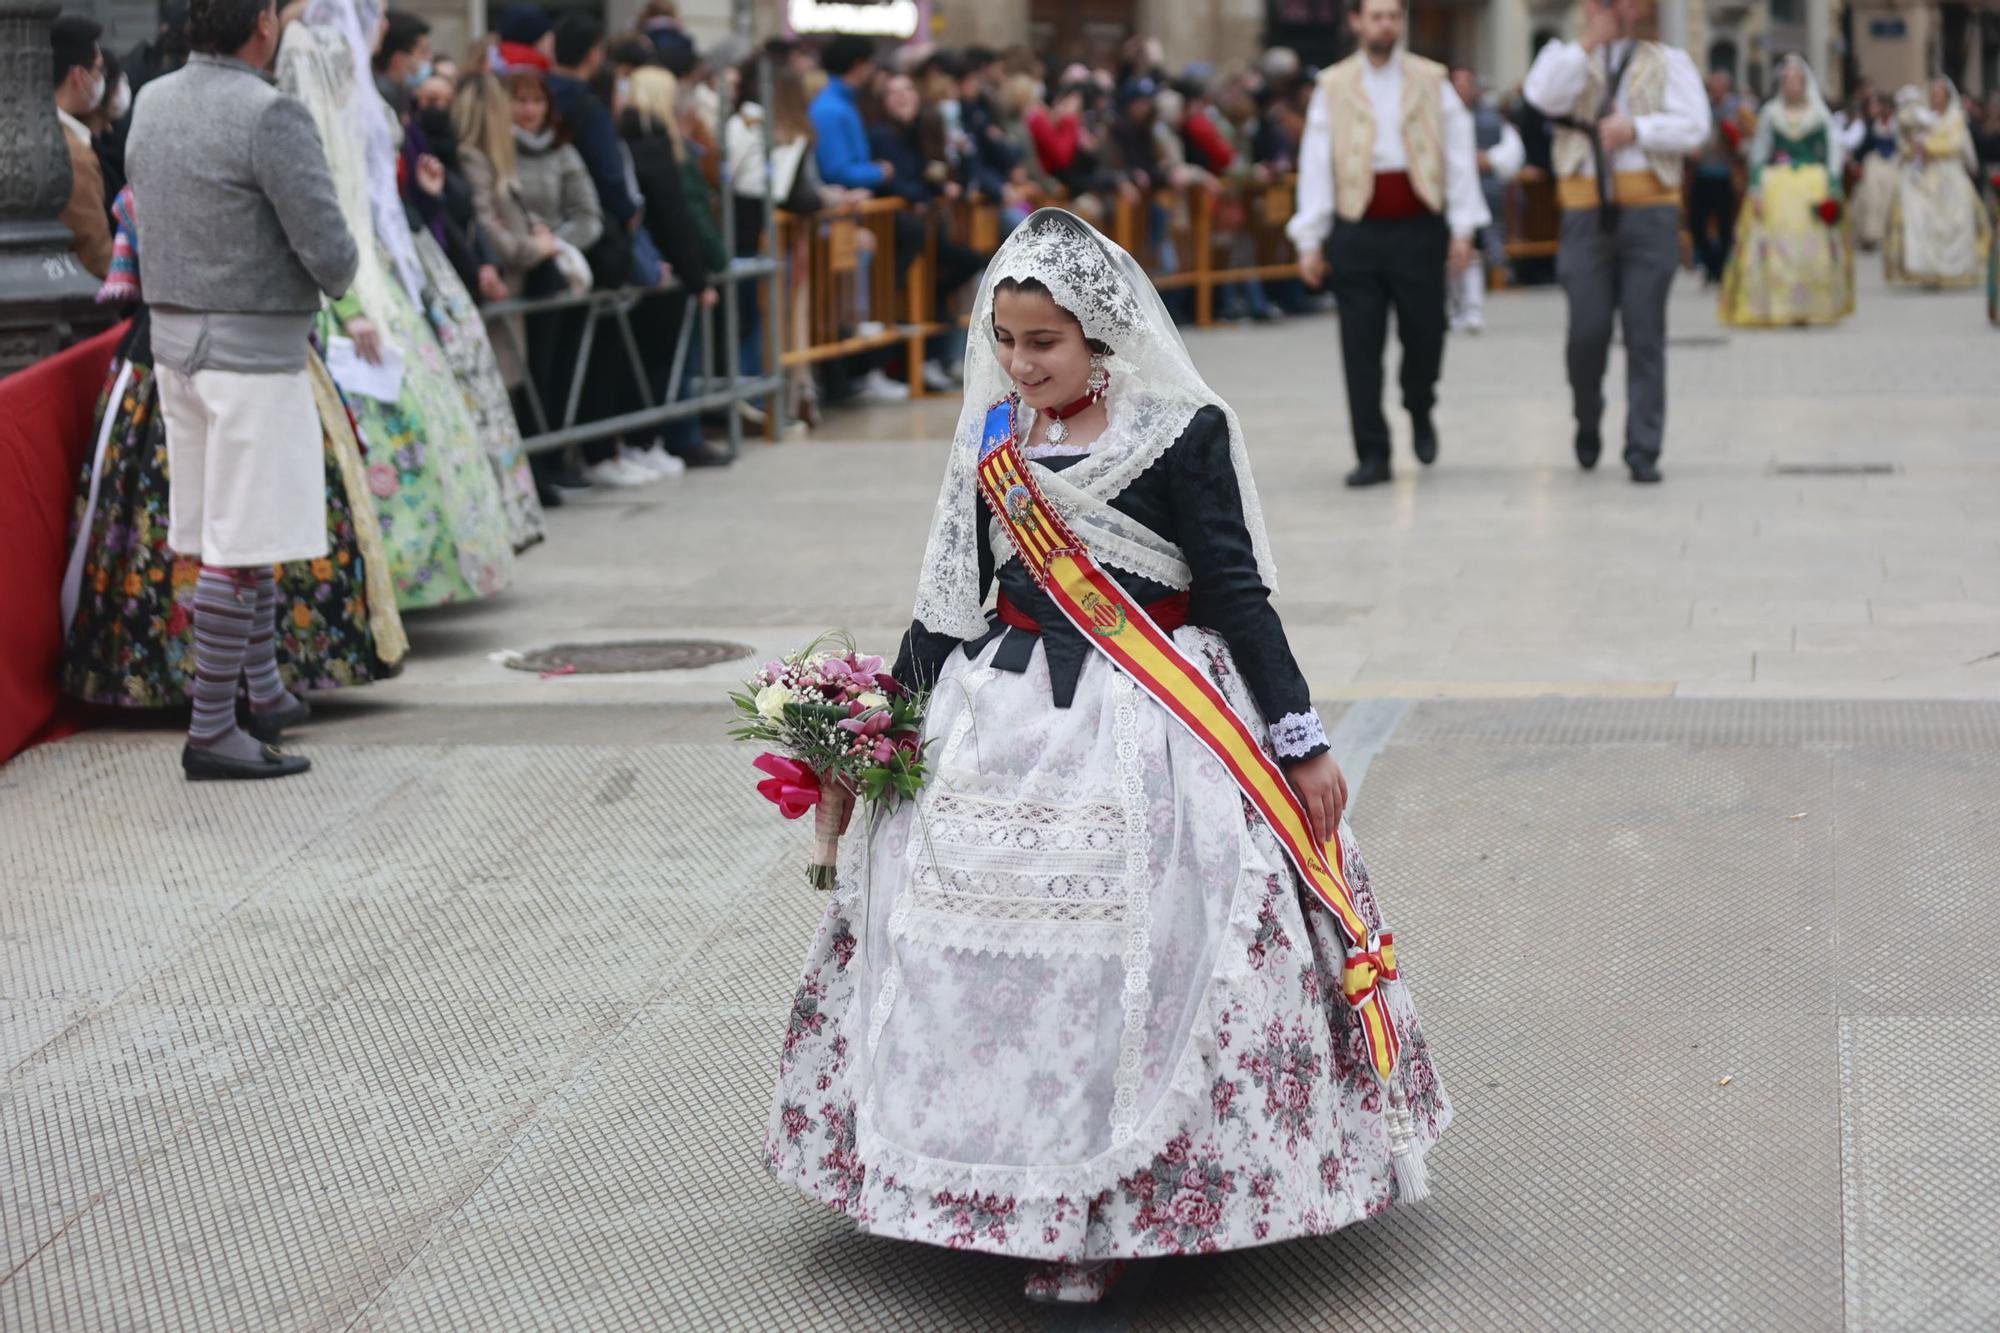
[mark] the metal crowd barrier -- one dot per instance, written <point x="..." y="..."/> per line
<point x="616" y="306"/>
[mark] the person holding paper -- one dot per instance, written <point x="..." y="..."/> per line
<point x="244" y="234"/>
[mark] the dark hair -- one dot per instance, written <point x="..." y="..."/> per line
<point x="631" y="49"/>
<point x="73" y="43"/>
<point x="577" y="35"/>
<point x="222" y="27"/>
<point x="1036" y="287"/>
<point x="400" y="36"/>
<point x="979" y="57"/>
<point x="523" y="25"/>
<point x="844" y="52"/>
<point x="1355" y="6"/>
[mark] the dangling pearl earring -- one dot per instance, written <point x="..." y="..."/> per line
<point x="1100" y="378"/>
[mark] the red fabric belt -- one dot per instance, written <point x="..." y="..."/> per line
<point x="1169" y="613"/>
<point x="1395" y="199"/>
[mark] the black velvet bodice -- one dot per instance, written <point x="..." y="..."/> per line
<point x="1189" y="496"/>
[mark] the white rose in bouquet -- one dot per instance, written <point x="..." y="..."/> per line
<point x="771" y="701"/>
<point x="872" y="700"/>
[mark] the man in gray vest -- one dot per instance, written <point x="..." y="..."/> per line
<point x="239" y="234"/>
<point x="1626" y="112"/>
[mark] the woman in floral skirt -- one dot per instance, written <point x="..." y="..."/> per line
<point x="126" y="597"/>
<point x="1073" y="1003"/>
<point x="439" y="503"/>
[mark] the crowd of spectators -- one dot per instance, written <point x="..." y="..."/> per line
<point x="555" y="157"/>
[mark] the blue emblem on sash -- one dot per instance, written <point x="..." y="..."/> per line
<point x="999" y="426"/>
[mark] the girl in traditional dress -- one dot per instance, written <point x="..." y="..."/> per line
<point x="1072" y="1003"/>
<point x="1875" y="194"/>
<point x="1792" y="262"/>
<point x="127" y="600"/>
<point x="1938" y="228"/>
<point x="439" y="504"/>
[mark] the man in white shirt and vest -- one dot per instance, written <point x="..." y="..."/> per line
<point x="1388" y="167"/>
<point x="1625" y="113"/>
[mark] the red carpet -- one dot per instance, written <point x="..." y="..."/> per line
<point x="46" y="413"/>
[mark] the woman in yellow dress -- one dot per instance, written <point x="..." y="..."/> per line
<point x="1938" y="230"/>
<point x="1793" y="262"/>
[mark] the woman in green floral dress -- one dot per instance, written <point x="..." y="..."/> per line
<point x="435" y="492"/>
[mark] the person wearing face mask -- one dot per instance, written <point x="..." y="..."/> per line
<point x="107" y="123"/>
<point x="403" y="60"/>
<point x="439" y="194"/>
<point x="79" y="90"/>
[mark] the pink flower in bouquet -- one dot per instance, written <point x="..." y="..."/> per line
<point x="871" y="735"/>
<point x="792" y="787"/>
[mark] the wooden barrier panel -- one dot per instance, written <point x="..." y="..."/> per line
<point x="843" y="264"/>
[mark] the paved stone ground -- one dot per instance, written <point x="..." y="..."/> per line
<point x="474" y="1027"/>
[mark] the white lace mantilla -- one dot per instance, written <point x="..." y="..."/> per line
<point x="1298" y="734"/>
<point x="1082" y="495"/>
<point x="1155" y="392"/>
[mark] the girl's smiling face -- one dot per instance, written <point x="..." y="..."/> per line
<point x="1040" y="346"/>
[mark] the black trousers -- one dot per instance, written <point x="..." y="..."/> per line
<point x="1712" y="220"/>
<point x="1376" y="266"/>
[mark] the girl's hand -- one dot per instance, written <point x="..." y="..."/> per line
<point x="1322" y="790"/>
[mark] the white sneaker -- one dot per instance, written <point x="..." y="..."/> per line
<point x="616" y="472"/>
<point x="870" y="328"/>
<point x="879" y="388"/>
<point x="936" y="379"/>
<point x="654" y="460"/>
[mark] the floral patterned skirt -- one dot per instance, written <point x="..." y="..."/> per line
<point x="1938" y="229"/>
<point x="129" y="642"/>
<point x="1074" y="1004"/>
<point x="434" y="491"/>
<point x="1788" y="266"/>
<point x="462" y="334"/>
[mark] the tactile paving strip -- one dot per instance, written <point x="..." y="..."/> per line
<point x="483" y="1036"/>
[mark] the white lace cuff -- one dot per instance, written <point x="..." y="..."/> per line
<point x="1296" y="735"/>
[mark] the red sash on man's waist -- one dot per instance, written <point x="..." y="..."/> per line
<point x="1395" y="199"/>
<point x="1169" y="613"/>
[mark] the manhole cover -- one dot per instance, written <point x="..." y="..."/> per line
<point x="597" y="659"/>
<point x="1834" y="469"/>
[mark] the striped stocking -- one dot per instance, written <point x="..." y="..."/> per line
<point x="260" y="655"/>
<point x="225" y="603"/>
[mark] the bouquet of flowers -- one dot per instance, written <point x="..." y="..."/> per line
<point x="841" y="728"/>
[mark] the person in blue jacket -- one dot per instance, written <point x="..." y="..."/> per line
<point x="844" y="157"/>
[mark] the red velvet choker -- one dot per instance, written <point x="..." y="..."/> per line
<point x="1057" y="431"/>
